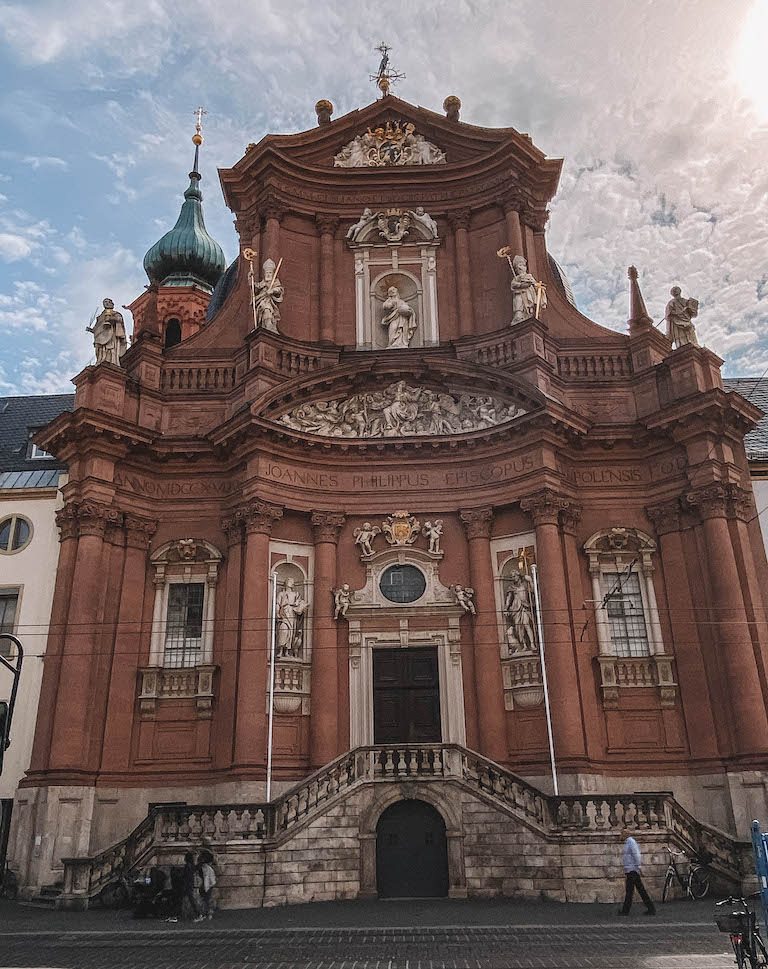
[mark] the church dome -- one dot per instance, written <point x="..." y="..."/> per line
<point x="187" y="255"/>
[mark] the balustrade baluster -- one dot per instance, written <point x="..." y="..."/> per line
<point x="389" y="766"/>
<point x="413" y="765"/>
<point x="437" y="761"/>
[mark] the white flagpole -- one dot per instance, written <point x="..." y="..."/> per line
<point x="540" y="629"/>
<point x="271" y="687"/>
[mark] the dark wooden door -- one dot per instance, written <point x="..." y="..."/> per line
<point x="411" y="852"/>
<point x="406" y="696"/>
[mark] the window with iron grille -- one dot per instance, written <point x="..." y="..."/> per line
<point x="624" y="609"/>
<point x="184" y="624"/>
<point x="9" y="600"/>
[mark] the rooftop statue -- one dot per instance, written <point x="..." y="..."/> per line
<point x="529" y="296"/>
<point x="679" y="314"/>
<point x="109" y="342"/>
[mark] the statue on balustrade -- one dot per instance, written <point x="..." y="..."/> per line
<point x="289" y="632"/>
<point x="400" y="320"/>
<point x="679" y="315"/>
<point x="521" y="637"/>
<point x="108" y="329"/>
<point x="267" y="297"/>
<point x="529" y="297"/>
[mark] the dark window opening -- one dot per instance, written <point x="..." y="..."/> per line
<point x="172" y="333"/>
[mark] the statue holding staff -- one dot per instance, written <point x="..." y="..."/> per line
<point x="268" y="295"/>
<point x="108" y="329"/>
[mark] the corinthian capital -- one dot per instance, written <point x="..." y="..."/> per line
<point x="139" y="530"/>
<point x="459" y="219"/>
<point x="546" y="506"/>
<point x="665" y="516"/>
<point x="477" y="522"/>
<point x="721" y="500"/>
<point x="326" y="525"/>
<point x="260" y="515"/>
<point x="327" y="224"/>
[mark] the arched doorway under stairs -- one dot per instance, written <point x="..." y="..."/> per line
<point x="411" y="852"/>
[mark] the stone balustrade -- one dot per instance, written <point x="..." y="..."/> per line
<point x="593" y="365"/>
<point x="213" y="378"/>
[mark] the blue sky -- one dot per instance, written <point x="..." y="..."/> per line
<point x="660" y="109"/>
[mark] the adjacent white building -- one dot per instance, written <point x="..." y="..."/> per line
<point x="29" y="551"/>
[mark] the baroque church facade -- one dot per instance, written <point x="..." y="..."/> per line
<point x="298" y="541"/>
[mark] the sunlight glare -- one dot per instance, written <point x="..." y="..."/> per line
<point x="751" y="65"/>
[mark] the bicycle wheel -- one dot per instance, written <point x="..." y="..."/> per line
<point x="667" y="886"/>
<point x="699" y="883"/>
<point x="738" y="950"/>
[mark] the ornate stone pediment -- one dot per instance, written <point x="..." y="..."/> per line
<point x="401" y="410"/>
<point x="395" y="143"/>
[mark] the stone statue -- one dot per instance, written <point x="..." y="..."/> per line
<point x="290" y="606"/>
<point x="364" y="536"/>
<point x="108" y="330"/>
<point x="400" y="410"/>
<point x="362" y="223"/>
<point x="268" y="295"/>
<point x="465" y="598"/>
<point x="678" y="314"/>
<point x="426" y="220"/>
<point x="433" y="531"/>
<point x="517" y="607"/>
<point x="400" y="320"/>
<point x="525" y="290"/>
<point x="341" y="600"/>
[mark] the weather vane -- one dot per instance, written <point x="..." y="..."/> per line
<point x="385" y="75"/>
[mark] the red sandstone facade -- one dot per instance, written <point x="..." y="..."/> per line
<point x="627" y="459"/>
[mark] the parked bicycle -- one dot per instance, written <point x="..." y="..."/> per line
<point x="695" y="881"/>
<point x="735" y="917"/>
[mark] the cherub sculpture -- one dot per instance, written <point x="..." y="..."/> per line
<point x="341" y="600"/>
<point x="465" y="598"/>
<point x="364" y="536"/>
<point x="433" y="531"/>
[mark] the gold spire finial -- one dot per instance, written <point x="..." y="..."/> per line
<point x="385" y="76"/>
<point x="197" y="137"/>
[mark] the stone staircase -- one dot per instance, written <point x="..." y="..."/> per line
<point x="317" y="840"/>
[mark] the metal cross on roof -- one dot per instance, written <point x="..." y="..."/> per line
<point x="385" y="76"/>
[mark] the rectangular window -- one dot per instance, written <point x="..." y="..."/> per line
<point x="37" y="452"/>
<point x="626" y="619"/>
<point x="184" y="624"/>
<point x="9" y="600"/>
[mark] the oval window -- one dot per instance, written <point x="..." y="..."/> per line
<point x="402" y="583"/>
<point x="15" y="533"/>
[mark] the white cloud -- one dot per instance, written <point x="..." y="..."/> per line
<point x="14" y="247"/>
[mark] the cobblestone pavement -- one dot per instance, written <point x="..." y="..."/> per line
<point x="460" y="934"/>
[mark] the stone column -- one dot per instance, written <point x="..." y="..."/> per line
<point x="695" y="693"/>
<point x="251" y="723"/>
<point x="514" y="231"/>
<point x="460" y="224"/>
<point x="127" y="659"/>
<point x="544" y="508"/>
<point x="737" y="653"/>
<point x="66" y="519"/>
<point x="69" y="741"/>
<point x="227" y="638"/>
<point x="273" y="213"/>
<point x="489" y="685"/>
<point x="327" y="225"/>
<point x="324" y="720"/>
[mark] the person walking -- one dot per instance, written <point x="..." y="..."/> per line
<point x="632" y="860"/>
<point x="208" y="876"/>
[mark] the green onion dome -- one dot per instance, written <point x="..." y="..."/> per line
<point x="187" y="255"/>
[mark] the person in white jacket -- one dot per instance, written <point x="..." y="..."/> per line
<point x="632" y="860"/>
<point x="208" y="878"/>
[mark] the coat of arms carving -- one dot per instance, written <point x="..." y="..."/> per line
<point x="395" y="143"/>
<point x="401" y="528"/>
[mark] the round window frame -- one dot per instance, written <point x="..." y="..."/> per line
<point x="30" y="526"/>
<point x="400" y="565"/>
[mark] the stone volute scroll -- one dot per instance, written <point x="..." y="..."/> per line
<point x="108" y="329"/>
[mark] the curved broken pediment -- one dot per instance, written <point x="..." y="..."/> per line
<point x="401" y="410"/>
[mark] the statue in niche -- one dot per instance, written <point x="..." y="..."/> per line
<point x="289" y="632"/>
<point x="528" y="296"/>
<point x="434" y="532"/>
<point x="679" y="314"/>
<point x="464" y="597"/>
<point x="364" y="536"/>
<point x="267" y="297"/>
<point x="430" y="226"/>
<point x="521" y="637"/>
<point x="108" y="329"/>
<point x="341" y="600"/>
<point x="362" y="223"/>
<point x="400" y="320"/>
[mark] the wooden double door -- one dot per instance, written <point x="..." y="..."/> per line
<point x="406" y="696"/>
